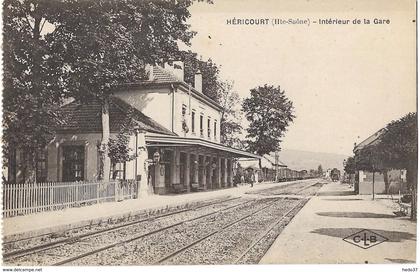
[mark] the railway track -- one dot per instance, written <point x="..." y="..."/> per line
<point x="173" y="237"/>
<point x="137" y="237"/>
<point x="7" y="256"/>
<point x="223" y="238"/>
<point x="178" y="251"/>
<point x="142" y="215"/>
<point x="288" y="189"/>
<point x="267" y="231"/>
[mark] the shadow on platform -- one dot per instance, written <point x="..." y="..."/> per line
<point x="356" y="214"/>
<point x="392" y="236"/>
<point x="336" y="193"/>
<point x="342" y="199"/>
<point x="400" y="260"/>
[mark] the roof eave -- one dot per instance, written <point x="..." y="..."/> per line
<point x="184" y="85"/>
<point x="196" y="141"/>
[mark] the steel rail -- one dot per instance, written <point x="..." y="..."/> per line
<point x="282" y="187"/>
<point x="306" y="187"/>
<point x="144" y="235"/>
<point x="55" y="244"/>
<point x="84" y="226"/>
<point x="267" y="230"/>
<point x="176" y="252"/>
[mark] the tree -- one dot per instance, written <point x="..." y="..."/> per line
<point x="320" y="170"/>
<point x="119" y="150"/>
<point x="230" y="123"/>
<point x="350" y="166"/>
<point x="370" y="158"/>
<point x="269" y="113"/>
<point x="208" y="69"/>
<point x="33" y="91"/>
<point x="220" y="91"/>
<point x="398" y="149"/>
<point x="105" y="44"/>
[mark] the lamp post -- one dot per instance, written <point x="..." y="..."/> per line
<point x="148" y="187"/>
<point x="136" y="132"/>
<point x="141" y="165"/>
<point x="344" y="171"/>
<point x="373" y="180"/>
<point x="156" y="157"/>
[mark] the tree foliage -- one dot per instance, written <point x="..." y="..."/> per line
<point x="209" y="70"/>
<point x="91" y="49"/>
<point x="398" y="145"/>
<point x="230" y="123"/>
<point x="320" y="170"/>
<point x="104" y="44"/>
<point x="396" y="148"/>
<point x="350" y="166"/>
<point x="32" y="89"/>
<point x="269" y="113"/>
<point x="218" y="90"/>
<point x="119" y="150"/>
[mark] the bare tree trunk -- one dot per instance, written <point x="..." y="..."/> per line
<point x="262" y="172"/>
<point x="28" y="167"/>
<point x="105" y="161"/>
<point x="31" y="168"/>
<point x="386" y="181"/>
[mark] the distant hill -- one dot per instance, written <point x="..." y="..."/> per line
<point x="306" y="160"/>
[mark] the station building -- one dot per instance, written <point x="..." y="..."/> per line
<point x="392" y="181"/>
<point x="175" y="145"/>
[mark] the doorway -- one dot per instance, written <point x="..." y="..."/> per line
<point x="73" y="163"/>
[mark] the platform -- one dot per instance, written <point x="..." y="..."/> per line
<point x="40" y="223"/>
<point x="315" y="235"/>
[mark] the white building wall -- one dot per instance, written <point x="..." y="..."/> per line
<point x="158" y="105"/>
<point x="193" y="104"/>
<point x="55" y="156"/>
<point x="154" y="103"/>
<point x="90" y="142"/>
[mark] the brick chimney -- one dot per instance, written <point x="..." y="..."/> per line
<point x="149" y="72"/>
<point x="198" y="81"/>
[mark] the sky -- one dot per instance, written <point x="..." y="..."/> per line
<point x="345" y="81"/>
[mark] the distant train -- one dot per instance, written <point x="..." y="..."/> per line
<point x="283" y="174"/>
<point x="335" y="174"/>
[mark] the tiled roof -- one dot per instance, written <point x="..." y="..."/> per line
<point x="371" y="140"/>
<point x="160" y="75"/>
<point x="86" y="117"/>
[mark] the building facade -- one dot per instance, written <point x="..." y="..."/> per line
<point x="387" y="181"/>
<point x="174" y="145"/>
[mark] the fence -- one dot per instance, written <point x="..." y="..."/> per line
<point x="21" y="199"/>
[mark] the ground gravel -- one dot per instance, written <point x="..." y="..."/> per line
<point x="87" y="244"/>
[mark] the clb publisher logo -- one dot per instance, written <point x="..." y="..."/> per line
<point x="365" y="239"/>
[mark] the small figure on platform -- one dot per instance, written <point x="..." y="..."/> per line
<point x="252" y="179"/>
